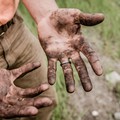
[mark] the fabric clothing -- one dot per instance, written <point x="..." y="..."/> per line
<point x="19" y="46"/>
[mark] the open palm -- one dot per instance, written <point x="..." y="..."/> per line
<point x="61" y="39"/>
<point x="18" y="102"/>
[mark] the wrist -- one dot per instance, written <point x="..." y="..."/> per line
<point x="40" y="8"/>
<point x="44" y="15"/>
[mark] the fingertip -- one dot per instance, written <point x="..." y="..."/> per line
<point x="37" y="64"/>
<point x="91" y="19"/>
<point x="101" y="17"/>
<point x="51" y="81"/>
<point x="100" y="72"/>
<point x="70" y="89"/>
<point x="43" y="102"/>
<point x="30" y="111"/>
<point x="33" y="111"/>
<point x="44" y="86"/>
<point x="88" y="88"/>
<point x="47" y="102"/>
<point x="87" y="84"/>
<point x="98" y="69"/>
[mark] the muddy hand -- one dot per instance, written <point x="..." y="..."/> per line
<point x="62" y="41"/>
<point x="18" y="102"/>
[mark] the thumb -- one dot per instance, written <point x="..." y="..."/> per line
<point x="24" y="70"/>
<point x="91" y="19"/>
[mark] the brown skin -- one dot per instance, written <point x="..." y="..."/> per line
<point x="61" y="39"/>
<point x="18" y="102"/>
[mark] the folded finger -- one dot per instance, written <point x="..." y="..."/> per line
<point x="18" y="111"/>
<point x="32" y="92"/>
<point x="92" y="58"/>
<point x="52" y="67"/>
<point x="37" y="102"/>
<point x="24" y="69"/>
<point x="91" y="19"/>
<point x="82" y="72"/>
<point x="68" y="74"/>
<point x="26" y="111"/>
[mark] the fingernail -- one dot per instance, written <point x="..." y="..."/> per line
<point x="87" y="87"/>
<point x="47" y="102"/>
<point x="43" y="102"/>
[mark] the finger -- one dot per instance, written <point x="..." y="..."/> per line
<point x="82" y="72"/>
<point x="26" y="111"/>
<point x="92" y="58"/>
<point x="68" y="74"/>
<point x="52" y="67"/>
<point x="24" y="69"/>
<point x="37" y="102"/>
<point x="91" y="19"/>
<point x="32" y="92"/>
<point x="18" y="111"/>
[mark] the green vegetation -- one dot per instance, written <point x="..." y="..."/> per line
<point x="108" y="31"/>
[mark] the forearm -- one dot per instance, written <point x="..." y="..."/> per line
<point x="40" y="8"/>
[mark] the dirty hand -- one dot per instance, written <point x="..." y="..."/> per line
<point x="18" y="102"/>
<point x="61" y="39"/>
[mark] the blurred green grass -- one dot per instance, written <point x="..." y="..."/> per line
<point x="108" y="31"/>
